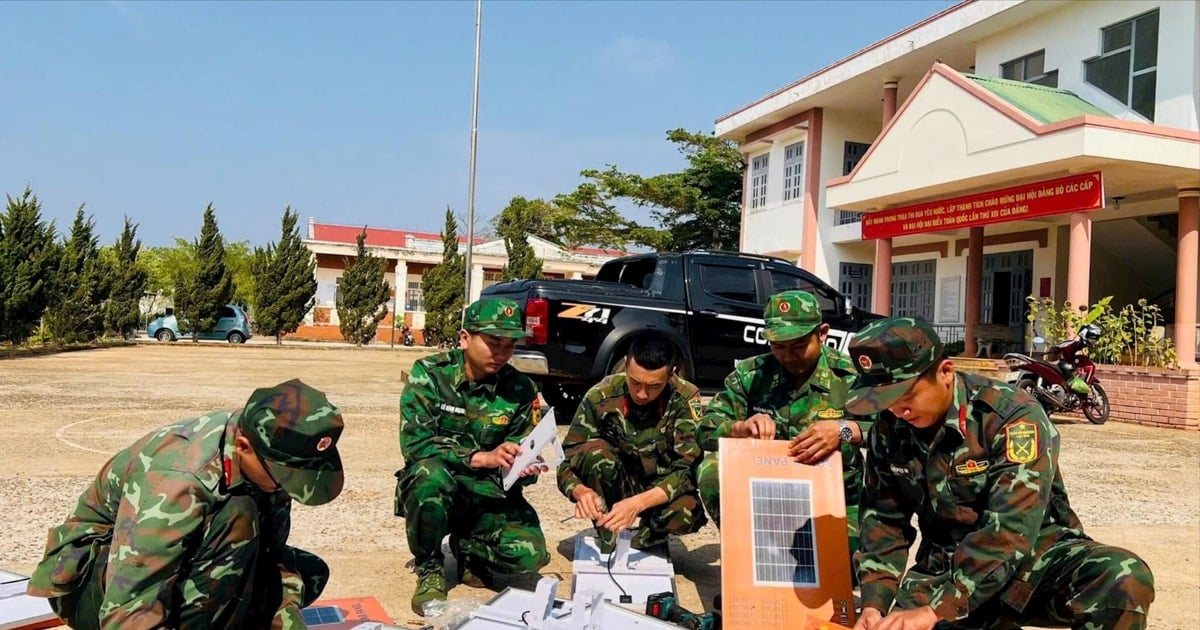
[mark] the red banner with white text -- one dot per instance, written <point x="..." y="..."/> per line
<point x="1074" y="193"/>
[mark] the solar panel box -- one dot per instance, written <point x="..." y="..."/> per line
<point x="785" y="555"/>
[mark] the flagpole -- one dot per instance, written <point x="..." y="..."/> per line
<point x="474" y="145"/>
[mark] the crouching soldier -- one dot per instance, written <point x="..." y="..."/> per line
<point x="977" y="461"/>
<point x="188" y="527"/>
<point x="796" y="392"/>
<point x="462" y="417"/>
<point x="631" y="449"/>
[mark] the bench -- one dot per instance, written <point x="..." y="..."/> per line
<point x="987" y="336"/>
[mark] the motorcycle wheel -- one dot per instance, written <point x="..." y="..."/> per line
<point x="1096" y="407"/>
<point x="1029" y="387"/>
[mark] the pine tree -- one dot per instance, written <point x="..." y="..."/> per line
<point x="76" y="310"/>
<point x="28" y="262"/>
<point x="443" y="286"/>
<point x="122" y="313"/>
<point x="514" y="225"/>
<point x="199" y="300"/>
<point x="363" y="295"/>
<point x="285" y="284"/>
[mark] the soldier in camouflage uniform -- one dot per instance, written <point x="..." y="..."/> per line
<point x="631" y="449"/>
<point x="977" y="461"/>
<point x="188" y="527"/>
<point x="462" y="417"/>
<point x="796" y="393"/>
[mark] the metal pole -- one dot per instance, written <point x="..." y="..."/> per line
<point x="474" y="144"/>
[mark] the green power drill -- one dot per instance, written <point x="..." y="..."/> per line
<point x="666" y="607"/>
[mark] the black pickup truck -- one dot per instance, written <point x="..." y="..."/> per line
<point x="710" y="303"/>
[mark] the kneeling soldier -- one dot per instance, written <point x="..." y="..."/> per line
<point x="631" y="449"/>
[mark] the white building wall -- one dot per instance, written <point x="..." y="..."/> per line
<point x="776" y="228"/>
<point x="1072" y="33"/>
<point x="839" y="128"/>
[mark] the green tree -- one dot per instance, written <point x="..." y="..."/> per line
<point x="515" y="224"/>
<point x="239" y="258"/>
<point x="198" y="300"/>
<point x="698" y="207"/>
<point x="285" y="284"/>
<point x="28" y="261"/>
<point x="443" y="286"/>
<point x="122" y="314"/>
<point x="76" y="309"/>
<point x="363" y="295"/>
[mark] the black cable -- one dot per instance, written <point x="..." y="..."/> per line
<point x="625" y="598"/>
<point x="523" y="617"/>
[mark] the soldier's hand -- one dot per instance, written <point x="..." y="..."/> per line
<point x="536" y="468"/>
<point x="922" y="618"/>
<point x="588" y="504"/>
<point x="502" y="455"/>
<point x="760" y="426"/>
<point x="816" y="442"/>
<point x="621" y="516"/>
<point x="869" y="619"/>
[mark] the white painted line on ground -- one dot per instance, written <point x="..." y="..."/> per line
<point x="63" y="430"/>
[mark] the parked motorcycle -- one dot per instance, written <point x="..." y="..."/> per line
<point x="1066" y="380"/>
<point x="408" y="337"/>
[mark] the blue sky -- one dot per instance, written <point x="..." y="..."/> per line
<point x="359" y="113"/>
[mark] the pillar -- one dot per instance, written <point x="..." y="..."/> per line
<point x="476" y="281"/>
<point x="881" y="298"/>
<point x="812" y="191"/>
<point x="401" y="290"/>
<point x="974" y="289"/>
<point x="1079" y="260"/>
<point x="889" y="101"/>
<point x="1186" y="276"/>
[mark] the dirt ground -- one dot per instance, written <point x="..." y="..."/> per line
<point x="62" y="416"/>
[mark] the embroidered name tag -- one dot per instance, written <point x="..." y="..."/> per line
<point x="900" y="470"/>
<point x="458" y="411"/>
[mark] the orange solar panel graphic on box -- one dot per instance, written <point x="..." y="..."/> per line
<point x="785" y="557"/>
<point x="352" y="613"/>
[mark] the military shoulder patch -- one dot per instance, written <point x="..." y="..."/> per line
<point x="1021" y="442"/>
<point x="832" y="413"/>
<point x="500" y="420"/>
<point x="696" y="407"/>
<point x="972" y="467"/>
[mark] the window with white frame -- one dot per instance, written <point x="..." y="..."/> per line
<point x="1030" y="69"/>
<point x="413" y="297"/>
<point x="1127" y="66"/>
<point x="852" y="153"/>
<point x="758" y="180"/>
<point x="793" y="171"/>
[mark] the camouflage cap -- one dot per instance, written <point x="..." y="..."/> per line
<point x="497" y="317"/>
<point x="791" y="315"/>
<point x="295" y="430"/>
<point x="890" y="354"/>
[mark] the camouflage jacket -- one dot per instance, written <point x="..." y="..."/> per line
<point x="447" y="417"/>
<point x="660" y="456"/>
<point x="760" y="384"/>
<point x="151" y="503"/>
<point x="988" y="496"/>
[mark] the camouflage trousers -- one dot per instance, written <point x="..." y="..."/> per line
<point x="708" y="480"/>
<point x="599" y="467"/>
<point x="230" y="581"/>
<point x="1085" y="585"/>
<point x="501" y="535"/>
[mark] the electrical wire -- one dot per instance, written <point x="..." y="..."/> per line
<point x="624" y="595"/>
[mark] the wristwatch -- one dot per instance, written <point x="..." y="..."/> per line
<point x="845" y="433"/>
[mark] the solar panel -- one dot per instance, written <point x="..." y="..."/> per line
<point x="322" y="615"/>
<point x="784" y="541"/>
